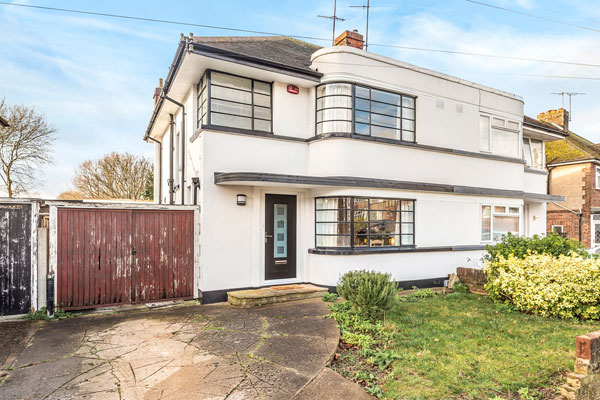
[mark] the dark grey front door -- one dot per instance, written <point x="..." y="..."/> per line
<point x="280" y="236"/>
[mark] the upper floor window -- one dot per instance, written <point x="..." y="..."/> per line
<point x="232" y="101"/>
<point x="533" y="152"/>
<point x="364" y="222"/>
<point x="499" y="136"/>
<point x="597" y="177"/>
<point x="360" y="110"/>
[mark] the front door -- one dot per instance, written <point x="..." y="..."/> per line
<point x="280" y="236"/>
<point x="595" y="230"/>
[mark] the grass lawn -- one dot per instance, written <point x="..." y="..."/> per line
<point x="463" y="346"/>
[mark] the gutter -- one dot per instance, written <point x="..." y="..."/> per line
<point x="159" y="168"/>
<point x="182" y="144"/>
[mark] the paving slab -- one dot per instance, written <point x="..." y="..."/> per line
<point x="188" y="351"/>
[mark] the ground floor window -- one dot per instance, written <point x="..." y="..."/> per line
<point x="359" y="222"/>
<point x="499" y="220"/>
<point x="558" y="229"/>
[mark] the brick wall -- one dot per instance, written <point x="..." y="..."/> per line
<point x="584" y="382"/>
<point x="570" y="224"/>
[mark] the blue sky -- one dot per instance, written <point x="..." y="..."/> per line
<point x="93" y="77"/>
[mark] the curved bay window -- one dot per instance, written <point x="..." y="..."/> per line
<point x="358" y="222"/>
<point x="361" y="110"/>
<point x="232" y="101"/>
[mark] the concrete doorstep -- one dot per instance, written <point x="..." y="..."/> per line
<point x="274" y="294"/>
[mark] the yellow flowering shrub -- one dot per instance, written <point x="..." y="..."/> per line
<point x="563" y="286"/>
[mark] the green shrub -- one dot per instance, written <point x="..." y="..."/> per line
<point x="521" y="246"/>
<point x="329" y="297"/>
<point x="371" y="293"/>
<point x="563" y="286"/>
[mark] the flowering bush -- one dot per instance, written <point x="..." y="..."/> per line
<point x="563" y="286"/>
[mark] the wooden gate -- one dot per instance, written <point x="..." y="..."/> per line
<point x="15" y="258"/>
<point x="109" y="257"/>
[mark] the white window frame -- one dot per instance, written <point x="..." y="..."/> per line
<point x="597" y="178"/>
<point x="543" y="154"/>
<point x="493" y="214"/>
<point x="553" y="227"/>
<point x="491" y="125"/>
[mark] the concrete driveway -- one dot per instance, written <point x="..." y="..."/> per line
<point x="183" y="352"/>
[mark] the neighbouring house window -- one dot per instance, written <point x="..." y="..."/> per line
<point x="557" y="229"/>
<point x="361" y="110"/>
<point x="499" y="220"/>
<point x="597" y="177"/>
<point x="359" y="222"/>
<point x="533" y="152"/>
<point x="499" y="136"/>
<point x="232" y="101"/>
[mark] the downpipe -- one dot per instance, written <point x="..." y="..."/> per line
<point x="182" y="183"/>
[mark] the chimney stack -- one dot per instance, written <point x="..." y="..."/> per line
<point x="351" y="39"/>
<point x="158" y="91"/>
<point x="559" y="117"/>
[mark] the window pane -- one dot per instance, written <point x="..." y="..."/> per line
<point x="230" y="121"/>
<point x="505" y="143"/>
<point x="385" y="97"/>
<point x="362" y="129"/>
<point x="362" y="92"/>
<point x="280" y="223"/>
<point x="362" y="116"/>
<point x="262" y="87"/>
<point x="408" y="102"/>
<point x="408" y="125"/>
<point x="484" y="133"/>
<point x="334" y="101"/>
<point x="384" y="216"/>
<point x="513" y="210"/>
<point x="408" y="113"/>
<point x="333" y="241"/>
<point x="388" y="133"/>
<point x="361" y="104"/>
<point x="262" y="112"/>
<point x="231" y="81"/>
<point x="407" y="216"/>
<point x="503" y="225"/>
<point x="499" y="209"/>
<point x="513" y="125"/>
<point x="408" y="136"/>
<point x="360" y="240"/>
<point x="231" y="108"/>
<point x="527" y="152"/>
<point x="223" y="93"/>
<point x="384" y="227"/>
<point x="361" y="216"/>
<point x="334" y="114"/>
<point x="262" y="100"/>
<point x="408" y="205"/>
<point x="334" y="88"/>
<point x="384" y="204"/>
<point x="334" y="127"/>
<point x="408" y="229"/>
<point x="261" y="125"/>
<point x="498" y="122"/>
<point x="486" y="221"/>
<point x="333" y="229"/>
<point x="386" y="109"/>
<point x="408" y="240"/>
<point x="386" y="121"/>
<point x="537" y="150"/>
<point x="384" y="240"/>
<point x="325" y="203"/>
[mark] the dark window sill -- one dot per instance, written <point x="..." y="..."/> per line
<point x="391" y="250"/>
<point x="247" y="132"/>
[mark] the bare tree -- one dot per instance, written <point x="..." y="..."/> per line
<point x="71" y="195"/>
<point x="114" y="176"/>
<point x="25" y="146"/>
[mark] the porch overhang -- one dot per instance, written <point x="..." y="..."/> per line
<point x="304" y="181"/>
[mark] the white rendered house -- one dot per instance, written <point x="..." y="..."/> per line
<point x="308" y="162"/>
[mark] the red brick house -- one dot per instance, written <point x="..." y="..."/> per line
<point x="573" y="172"/>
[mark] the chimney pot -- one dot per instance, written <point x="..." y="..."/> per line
<point x="351" y="39"/>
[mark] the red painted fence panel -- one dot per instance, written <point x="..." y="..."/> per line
<point x="109" y="257"/>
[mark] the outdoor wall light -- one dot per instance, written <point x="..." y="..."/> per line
<point x="241" y="199"/>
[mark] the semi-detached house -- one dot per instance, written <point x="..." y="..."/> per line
<point x="307" y="162"/>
